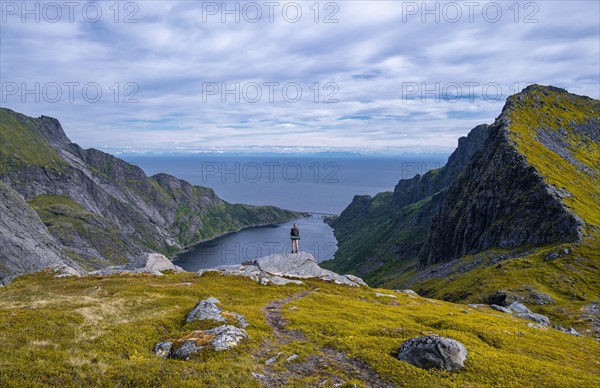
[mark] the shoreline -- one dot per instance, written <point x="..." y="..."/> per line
<point x="188" y="247"/>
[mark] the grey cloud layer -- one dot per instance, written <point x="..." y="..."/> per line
<point x="375" y="54"/>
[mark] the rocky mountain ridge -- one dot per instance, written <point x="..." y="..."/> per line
<point x="98" y="209"/>
<point x="512" y="195"/>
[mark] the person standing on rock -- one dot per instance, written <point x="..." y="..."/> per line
<point x="295" y="236"/>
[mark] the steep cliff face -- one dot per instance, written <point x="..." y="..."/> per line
<point x="419" y="187"/>
<point x="381" y="237"/>
<point x="103" y="210"/>
<point x="515" y="208"/>
<point x="25" y="244"/>
<point x="499" y="201"/>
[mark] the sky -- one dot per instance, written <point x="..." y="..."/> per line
<point x="277" y="76"/>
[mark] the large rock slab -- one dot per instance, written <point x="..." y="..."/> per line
<point x="434" y="352"/>
<point x="537" y="318"/>
<point x="26" y="246"/>
<point x="278" y="268"/>
<point x="519" y="308"/>
<point x="299" y="265"/>
<point x="153" y="262"/>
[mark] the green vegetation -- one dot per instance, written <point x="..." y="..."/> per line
<point x="21" y="144"/>
<point x="382" y="237"/>
<point x="557" y="133"/>
<point x="576" y="121"/>
<point x="130" y="211"/>
<point x="101" y="332"/>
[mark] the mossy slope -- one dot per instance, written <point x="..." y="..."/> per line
<point x="104" y="210"/>
<point x="532" y="190"/>
<point x="101" y="331"/>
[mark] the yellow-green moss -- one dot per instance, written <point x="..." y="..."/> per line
<point x="101" y="331"/>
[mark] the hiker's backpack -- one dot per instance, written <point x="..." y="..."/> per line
<point x="295" y="232"/>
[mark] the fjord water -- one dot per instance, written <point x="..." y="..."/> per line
<point x="314" y="184"/>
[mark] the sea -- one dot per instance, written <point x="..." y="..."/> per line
<point x="321" y="185"/>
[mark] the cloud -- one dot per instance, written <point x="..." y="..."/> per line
<point x="381" y="76"/>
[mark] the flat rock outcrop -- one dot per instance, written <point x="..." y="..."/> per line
<point x="152" y="263"/>
<point x="278" y="268"/>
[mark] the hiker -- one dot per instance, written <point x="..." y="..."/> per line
<point x="295" y="236"/>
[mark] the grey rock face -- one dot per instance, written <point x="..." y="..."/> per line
<point x="25" y="244"/>
<point x="434" y="352"/>
<point x="226" y="337"/>
<point x="163" y="349"/>
<point x="419" y="187"/>
<point x="153" y="262"/>
<point x="519" y="308"/>
<point x="498" y="298"/>
<point x="479" y="212"/>
<point x="299" y="265"/>
<point x="409" y="292"/>
<point x="500" y="308"/>
<point x="278" y="268"/>
<point x="185" y="350"/>
<point x="124" y="212"/>
<point x="206" y="310"/>
<point x="537" y="318"/>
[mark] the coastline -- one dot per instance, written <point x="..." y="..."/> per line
<point x="253" y="226"/>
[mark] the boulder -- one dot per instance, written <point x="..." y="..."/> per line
<point x="206" y="309"/>
<point x="185" y="350"/>
<point x="277" y="280"/>
<point x="519" y="308"/>
<point x="356" y="280"/>
<point x="273" y="359"/>
<point x="380" y="295"/>
<point x="498" y="298"/>
<point x="151" y="262"/>
<point x="64" y="270"/>
<point x="226" y="337"/>
<point x="433" y="352"/>
<point x="163" y="349"/>
<point x="537" y="318"/>
<point x="239" y="318"/>
<point x="500" y="308"/>
<point x="410" y="292"/>
<point x="220" y="338"/>
<point x="568" y="330"/>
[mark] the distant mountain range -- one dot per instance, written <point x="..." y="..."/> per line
<point x="64" y="206"/>
<point x="514" y="214"/>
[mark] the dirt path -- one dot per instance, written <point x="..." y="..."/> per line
<point x="328" y="365"/>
